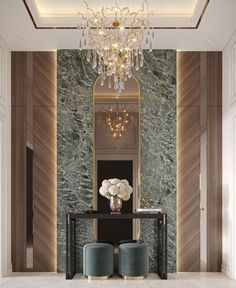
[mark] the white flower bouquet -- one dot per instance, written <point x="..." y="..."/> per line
<point x="116" y="187"/>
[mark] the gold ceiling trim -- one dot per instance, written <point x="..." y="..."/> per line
<point x="75" y="27"/>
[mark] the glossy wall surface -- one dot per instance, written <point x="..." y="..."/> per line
<point x="158" y="146"/>
<point x="34" y="127"/>
<point x="75" y="80"/>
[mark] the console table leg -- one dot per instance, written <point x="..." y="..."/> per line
<point x="70" y="247"/>
<point x="68" y="272"/>
<point x="164" y="243"/>
<point x="162" y="247"/>
<point x="73" y="249"/>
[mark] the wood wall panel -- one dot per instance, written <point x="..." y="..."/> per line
<point x="202" y="90"/>
<point x="214" y="78"/>
<point x="44" y="79"/>
<point x="34" y="83"/>
<point x="44" y="181"/>
<point x="188" y="195"/>
<point x="214" y="189"/>
<point x="214" y="161"/>
<point x="188" y="74"/>
<point x="19" y="78"/>
<point x="30" y="127"/>
<point x="44" y="165"/>
<point x="18" y="215"/>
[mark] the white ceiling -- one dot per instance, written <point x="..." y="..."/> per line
<point x="166" y="13"/>
<point x="63" y="7"/>
<point x="216" y="27"/>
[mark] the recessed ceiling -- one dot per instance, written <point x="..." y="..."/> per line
<point x="71" y="7"/>
<point x="166" y="13"/>
<point x="216" y="24"/>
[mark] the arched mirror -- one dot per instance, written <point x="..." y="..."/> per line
<point x="116" y="152"/>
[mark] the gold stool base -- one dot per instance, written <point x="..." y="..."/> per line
<point x="134" y="277"/>
<point x="91" y="278"/>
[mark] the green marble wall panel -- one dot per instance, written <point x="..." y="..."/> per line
<point x="158" y="146"/>
<point x="75" y="147"/>
<point x="75" y="79"/>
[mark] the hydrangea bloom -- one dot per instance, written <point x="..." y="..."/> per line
<point x="116" y="187"/>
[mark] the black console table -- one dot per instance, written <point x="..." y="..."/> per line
<point x="161" y="222"/>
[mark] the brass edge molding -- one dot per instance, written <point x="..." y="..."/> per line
<point x="138" y="198"/>
<point x="155" y="27"/>
<point x="177" y="161"/>
<point x="94" y="181"/>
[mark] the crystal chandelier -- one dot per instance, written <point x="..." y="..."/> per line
<point x="114" y="38"/>
<point x="117" y="121"/>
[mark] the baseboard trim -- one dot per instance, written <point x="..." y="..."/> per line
<point x="9" y="269"/>
<point x="225" y="269"/>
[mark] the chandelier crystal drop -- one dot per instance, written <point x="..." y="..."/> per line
<point x="114" y="38"/>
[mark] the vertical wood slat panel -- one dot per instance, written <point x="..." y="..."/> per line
<point x="214" y="193"/>
<point x="18" y="213"/>
<point x="18" y="178"/>
<point x="188" y="166"/>
<point x="19" y="79"/>
<point x="29" y="101"/>
<point x="44" y="175"/>
<point x="188" y="74"/>
<point x="214" y="78"/>
<point x="210" y="91"/>
<point x="214" y="162"/>
<point x="36" y="79"/>
<point x="44" y="79"/>
<point x="188" y="161"/>
<point x="44" y="164"/>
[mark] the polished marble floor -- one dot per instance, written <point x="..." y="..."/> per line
<point x="180" y="280"/>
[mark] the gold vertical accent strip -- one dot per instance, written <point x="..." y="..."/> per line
<point x="138" y="221"/>
<point x="95" y="222"/>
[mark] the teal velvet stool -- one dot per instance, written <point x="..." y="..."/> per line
<point x="98" y="260"/>
<point x="133" y="260"/>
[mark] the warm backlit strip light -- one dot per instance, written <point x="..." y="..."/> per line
<point x="177" y="168"/>
<point x="55" y="169"/>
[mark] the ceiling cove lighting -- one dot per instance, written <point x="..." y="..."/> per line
<point x="114" y="37"/>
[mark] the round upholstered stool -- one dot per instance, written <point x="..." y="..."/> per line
<point x="116" y="252"/>
<point x="98" y="260"/>
<point x="133" y="260"/>
<point x="127" y="241"/>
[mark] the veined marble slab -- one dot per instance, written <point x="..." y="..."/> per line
<point x="158" y="146"/>
<point x="75" y="146"/>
